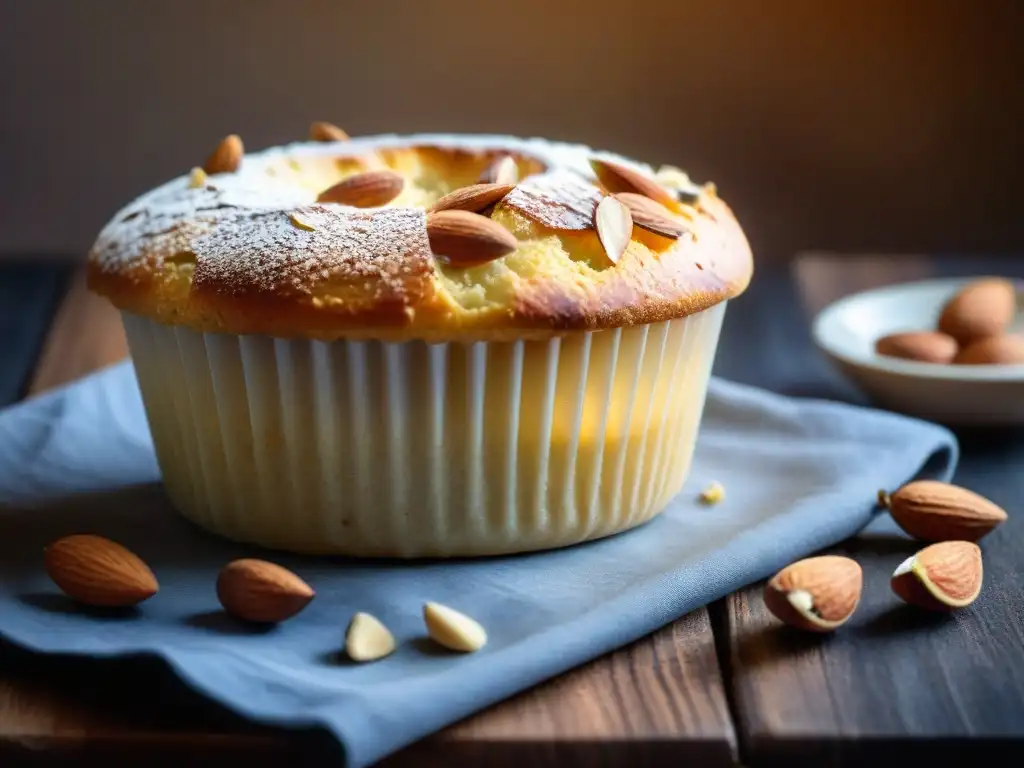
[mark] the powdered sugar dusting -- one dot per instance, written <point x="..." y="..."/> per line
<point x="560" y="199"/>
<point x="384" y="251"/>
<point x="163" y="222"/>
<point x="237" y="224"/>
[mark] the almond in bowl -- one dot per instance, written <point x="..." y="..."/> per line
<point x="424" y="345"/>
<point x="888" y="343"/>
<point x="923" y="346"/>
<point x="972" y="329"/>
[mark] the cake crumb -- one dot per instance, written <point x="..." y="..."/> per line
<point x="713" y="494"/>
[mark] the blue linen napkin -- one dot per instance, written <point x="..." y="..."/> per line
<point x="799" y="476"/>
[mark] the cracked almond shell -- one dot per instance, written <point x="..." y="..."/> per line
<point x="817" y="594"/>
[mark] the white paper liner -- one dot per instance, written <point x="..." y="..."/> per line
<point x="414" y="449"/>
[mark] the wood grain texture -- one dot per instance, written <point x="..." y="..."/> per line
<point x="896" y="682"/>
<point x="658" y="701"/>
<point x="661" y="699"/>
<point x="54" y="710"/>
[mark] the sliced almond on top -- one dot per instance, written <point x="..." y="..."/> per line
<point x="321" y="131"/>
<point x="652" y="216"/>
<point x="502" y="171"/>
<point x="466" y="239"/>
<point x="618" y="178"/>
<point x="475" y="197"/>
<point x="614" y="227"/>
<point x="560" y="200"/>
<point x="227" y="157"/>
<point x="365" y="190"/>
<point x="300" y="222"/>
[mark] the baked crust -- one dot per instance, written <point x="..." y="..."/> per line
<point x="253" y="252"/>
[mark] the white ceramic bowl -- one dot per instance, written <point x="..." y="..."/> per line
<point x="950" y="394"/>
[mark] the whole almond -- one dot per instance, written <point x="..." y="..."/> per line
<point x="818" y="594"/>
<point x="935" y="511"/>
<point x="941" y="577"/>
<point x="465" y="239"/>
<point x="923" y="346"/>
<point x="502" y="171"/>
<point x="614" y="225"/>
<point x="321" y="131"/>
<point x="984" y="307"/>
<point x="474" y="198"/>
<point x="367" y="639"/>
<point x="652" y="216"/>
<point x="99" y="572"/>
<point x="227" y="157"/>
<point x="993" y="350"/>
<point x="365" y="190"/>
<point x="453" y="630"/>
<point x="258" y="591"/>
<point x="618" y="178"/>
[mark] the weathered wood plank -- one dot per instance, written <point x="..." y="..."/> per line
<point x="660" y="699"/>
<point x="896" y="682"/>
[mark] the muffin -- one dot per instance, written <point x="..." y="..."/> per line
<point x="347" y="346"/>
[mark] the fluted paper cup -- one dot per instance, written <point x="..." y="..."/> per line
<point x="413" y="449"/>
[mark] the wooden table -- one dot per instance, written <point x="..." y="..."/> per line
<point x="724" y="685"/>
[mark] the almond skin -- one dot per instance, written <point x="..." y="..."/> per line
<point x="817" y="594"/>
<point x="993" y="350"/>
<point x="982" y="308"/>
<point x="474" y="198"/>
<point x="321" y="131"/>
<point x="99" y="572"/>
<point x="227" y="157"/>
<point x="258" y="591"/>
<point x="934" y="511"/>
<point x="466" y="239"/>
<point x="652" y="216"/>
<point x="941" y="577"/>
<point x="618" y="178"/>
<point x="365" y="190"/>
<point x="923" y="346"/>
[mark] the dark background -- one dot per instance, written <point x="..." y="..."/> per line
<point x="848" y="125"/>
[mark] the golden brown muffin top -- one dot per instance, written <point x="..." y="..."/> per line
<point x="391" y="237"/>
